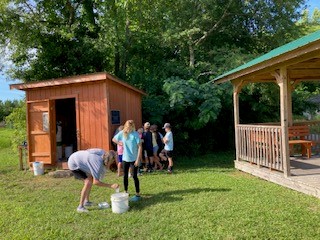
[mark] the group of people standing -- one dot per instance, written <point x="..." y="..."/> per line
<point x="156" y="147"/>
<point x="133" y="146"/>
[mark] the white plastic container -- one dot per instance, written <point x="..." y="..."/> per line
<point x="38" y="168"/>
<point x="68" y="151"/>
<point x="120" y="202"/>
<point x="103" y="205"/>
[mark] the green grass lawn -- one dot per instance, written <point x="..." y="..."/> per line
<point x="205" y="198"/>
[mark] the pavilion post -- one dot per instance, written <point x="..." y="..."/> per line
<point x="237" y="85"/>
<point x="282" y="80"/>
<point x="289" y="101"/>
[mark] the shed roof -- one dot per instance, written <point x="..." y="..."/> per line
<point x="274" y="57"/>
<point x="92" y="77"/>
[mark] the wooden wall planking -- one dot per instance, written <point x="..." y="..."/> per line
<point x="127" y="101"/>
<point x="92" y="113"/>
<point x="116" y="97"/>
<point x="104" y="124"/>
<point x="94" y="103"/>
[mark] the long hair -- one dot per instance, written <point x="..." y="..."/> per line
<point x="109" y="157"/>
<point x="128" y="128"/>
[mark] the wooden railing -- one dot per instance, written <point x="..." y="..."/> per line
<point x="260" y="145"/>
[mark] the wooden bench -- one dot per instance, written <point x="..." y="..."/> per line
<point x="297" y="135"/>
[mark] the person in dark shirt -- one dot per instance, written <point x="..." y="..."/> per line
<point x="147" y="146"/>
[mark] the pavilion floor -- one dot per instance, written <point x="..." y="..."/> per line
<point x="306" y="170"/>
<point x="305" y="174"/>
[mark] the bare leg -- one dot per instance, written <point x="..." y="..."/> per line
<point x="157" y="161"/>
<point x="170" y="162"/>
<point x="163" y="157"/>
<point x="86" y="190"/>
<point x="119" y="169"/>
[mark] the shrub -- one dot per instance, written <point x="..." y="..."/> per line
<point x="17" y="121"/>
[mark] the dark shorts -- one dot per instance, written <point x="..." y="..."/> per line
<point x="168" y="154"/>
<point x="120" y="158"/>
<point x="149" y="152"/>
<point x="79" y="174"/>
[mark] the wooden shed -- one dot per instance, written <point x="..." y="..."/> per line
<point x="89" y="108"/>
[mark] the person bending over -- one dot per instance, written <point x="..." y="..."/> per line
<point x="90" y="166"/>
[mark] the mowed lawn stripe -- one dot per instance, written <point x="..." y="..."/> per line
<point x="205" y="198"/>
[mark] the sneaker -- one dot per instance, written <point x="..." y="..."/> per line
<point x="82" y="210"/>
<point x="169" y="171"/>
<point x="88" y="204"/>
<point x="135" y="198"/>
<point x="130" y="175"/>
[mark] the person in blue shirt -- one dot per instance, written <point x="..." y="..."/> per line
<point x="168" y="145"/>
<point x="132" y="150"/>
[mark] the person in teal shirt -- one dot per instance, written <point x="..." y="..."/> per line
<point x="132" y="151"/>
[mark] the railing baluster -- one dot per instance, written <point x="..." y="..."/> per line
<point x="260" y="145"/>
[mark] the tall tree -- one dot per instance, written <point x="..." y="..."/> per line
<point x="170" y="48"/>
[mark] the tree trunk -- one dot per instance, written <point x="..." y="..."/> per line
<point x="125" y="51"/>
<point x="191" y="53"/>
<point x="126" y="43"/>
<point x="117" y="61"/>
<point x="117" y="54"/>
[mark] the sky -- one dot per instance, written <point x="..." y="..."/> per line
<point x="7" y="94"/>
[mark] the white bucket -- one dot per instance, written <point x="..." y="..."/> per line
<point x="120" y="202"/>
<point x="68" y="151"/>
<point x="38" y="168"/>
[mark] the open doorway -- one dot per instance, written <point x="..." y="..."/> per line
<point x="66" y="128"/>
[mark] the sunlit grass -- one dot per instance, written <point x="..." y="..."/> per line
<point x="205" y="198"/>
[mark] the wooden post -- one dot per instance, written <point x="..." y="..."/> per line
<point x="20" y="157"/>
<point x="289" y="101"/>
<point x="282" y="80"/>
<point x="237" y="85"/>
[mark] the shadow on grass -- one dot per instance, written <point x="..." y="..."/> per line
<point x="217" y="160"/>
<point x="171" y="196"/>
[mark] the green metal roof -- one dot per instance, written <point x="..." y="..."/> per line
<point x="275" y="53"/>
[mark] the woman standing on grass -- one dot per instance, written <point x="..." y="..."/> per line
<point x="132" y="150"/>
<point x="90" y="166"/>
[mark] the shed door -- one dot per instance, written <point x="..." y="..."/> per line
<point x="41" y="131"/>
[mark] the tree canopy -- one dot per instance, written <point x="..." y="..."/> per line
<point x="169" y="48"/>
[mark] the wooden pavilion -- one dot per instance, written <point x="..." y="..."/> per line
<point x="264" y="149"/>
<point x="89" y="108"/>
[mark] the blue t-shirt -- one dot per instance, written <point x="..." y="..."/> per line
<point x="169" y="144"/>
<point x="130" y="145"/>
